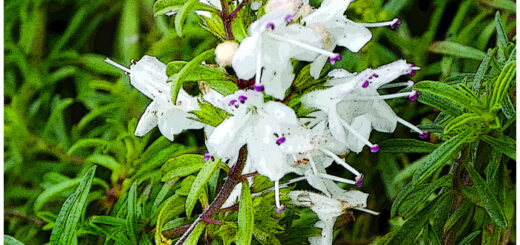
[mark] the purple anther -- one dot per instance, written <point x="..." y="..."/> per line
<point x="365" y="84"/>
<point x="333" y="60"/>
<point x="413" y="96"/>
<point x="424" y="135"/>
<point x="375" y="148"/>
<point x="375" y="75"/>
<point x="288" y="18"/>
<point x="394" y="25"/>
<point x="360" y="180"/>
<point x="412" y="72"/>
<point x="242" y="98"/>
<point x="280" y="140"/>
<point x="209" y="156"/>
<point x="370" y="77"/>
<point x="232" y="102"/>
<point x="280" y="209"/>
<point x="258" y="87"/>
<point x="270" y="25"/>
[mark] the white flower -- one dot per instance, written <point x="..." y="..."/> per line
<point x="328" y="210"/>
<point x="148" y="75"/>
<point x="267" y="52"/>
<point x="290" y="6"/>
<point x="341" y="31"/>
<point x="354" y="106"/>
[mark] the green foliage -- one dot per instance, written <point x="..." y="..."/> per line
<point x="76" y="174"/>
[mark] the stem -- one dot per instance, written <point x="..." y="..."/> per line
<point x="232" y="16"/>
<point x="233" y="179"/>
<point x="16" y="214"/>
<point x="226" y="20"/>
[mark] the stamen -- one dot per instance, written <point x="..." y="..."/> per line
<point x="365" y="84"/>
<point x="242" y="98"/>
<point x="117" y="65"/>
<point x="289" y="18"/>
<point x="340" y="161"/>
<point x="335" y="178"/>
<point x="396" y="85"/>
<point x="368" y="211"/>
<point x="334" y="56"/>
<point x="279" y="208"/>
<point x="393" y="23"/>
<point x="386" y="96"/>
<point x="413" y="96"/>
<point x="270" y="25"/>
<point x="414" y="68"/>
<point x="280" y="140"/>
<point x="373" y="148"/>
<point x="258" y="75"/>
<point x="258" y="87"/>
<point x="333" y="60"/>
<point x="375" y="75"/>
<point x="209" y="156"/>
<point x="422" y="134"/>
<point x="232" y="102"/>
<point x="359" y="180"/>
<point x="313" y="166"/>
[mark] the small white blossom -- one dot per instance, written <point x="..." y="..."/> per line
<point x="340" y="30"/>
<point x="354" y="106"/>
<point x="328" y="210"/>
<point x="266" y="54"/>
<point x="224" y="53"/>
<point x="148" y="75"/>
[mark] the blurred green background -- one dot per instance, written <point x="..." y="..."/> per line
<point x="64" y="107"/>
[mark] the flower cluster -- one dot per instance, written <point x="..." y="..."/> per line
<point x="279" y="142"/>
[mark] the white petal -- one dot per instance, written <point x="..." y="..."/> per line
<point x="244" y="60"/>
<point x="316" y="182"/>
<point x="277" y="18"/>
<point x="340" y="73"/>
<point x="268" y="159"/>
<point x="148" y="120"/>
<point x="336" y="127"/>
<point x="229" y="136"/>
<point x="390" y="72"/>
<point x="383" y="118"/>
<point x="148" y="76"/>
<point x="349" y="34"/>
<point x="277" y="78"/>
<point x="363" y="126"/>
<point x="280" y="113"/>
<point x="305" y="35"/>
<point x="174" y="121"/>
<point x="186" y="102"/>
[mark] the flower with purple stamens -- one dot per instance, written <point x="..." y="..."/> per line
<point x="375" y="148"/>
<point x="413" y="96"/>
<point x="289" y="18"/>
<point x="424" y="135"/>
<point x="360" y="180"/>
<point x="258" y="87"/>
<point x="398" y="22"/>
<point x="280" y="140"/>
<point x="232" y="102"/>
<point x="242" y="98"/>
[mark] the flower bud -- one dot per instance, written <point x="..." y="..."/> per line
<point x="291" y="6"/>
<point x="224" y="53"/>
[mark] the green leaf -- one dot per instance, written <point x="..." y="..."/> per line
<point x="246" y="217"/>
<point x="70" y="213"/>
<point x="457" y="50"/>
<point x="502" y="84"/>
<point x="209" y="114"/>
<point x="467" y="240"/>
<point x="180" y="18"/>
<point x="438" y="101"/>
<point x="173" y="207"/>
<point x="445" y="94"/>
<point x="195" y="234"/>
<point x="503" y="144"/>
<point x="459" y="213"/>
<point x="132" y="215"/>
<point x="489" y="200"/>
<point x="199" y="183"/>
<point x="9" y="240"/>
<point x="164" y="6"/>
<point x="414" y="225"/>
<point x="406" y="146"/>
<point x="215" y="78"/>
<point x="227" y="232"/>
<point x="179" y="78"/>
<point x="181" y="166"/>
<point x="421" y="193"/>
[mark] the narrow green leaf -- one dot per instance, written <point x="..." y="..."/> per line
<point x="433" y="94"/>
<point x="502" y="84"/>
<point x="180" y="18"/>
<point x="503" y="144"/>
<point x="173" y="207"/>
<point x="215" y="78"/>
<point x="421" y="193"/>
<point x="132" y="213"/>
<point x="199" y="184"/>
<point x="246" y="217"/>
<point x="484" y="65"/>
<point x="457" y="50"/>
<point x="406" y="146"/>
<point x="195" y="234"/>
<point x="459" y="213"/>
<point x="179" y="78"/>
<point x="446" y="93"/>
<point x="501" y="33"/>
<point x="161" y="7"/>
<point x="467" y="240"/>
<point x="488" y="198"/>
<point x="70" y="213"/>
<point x="9" y="240"/>
<point x="182" y="166"/>
<point x="209" y="114"/>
